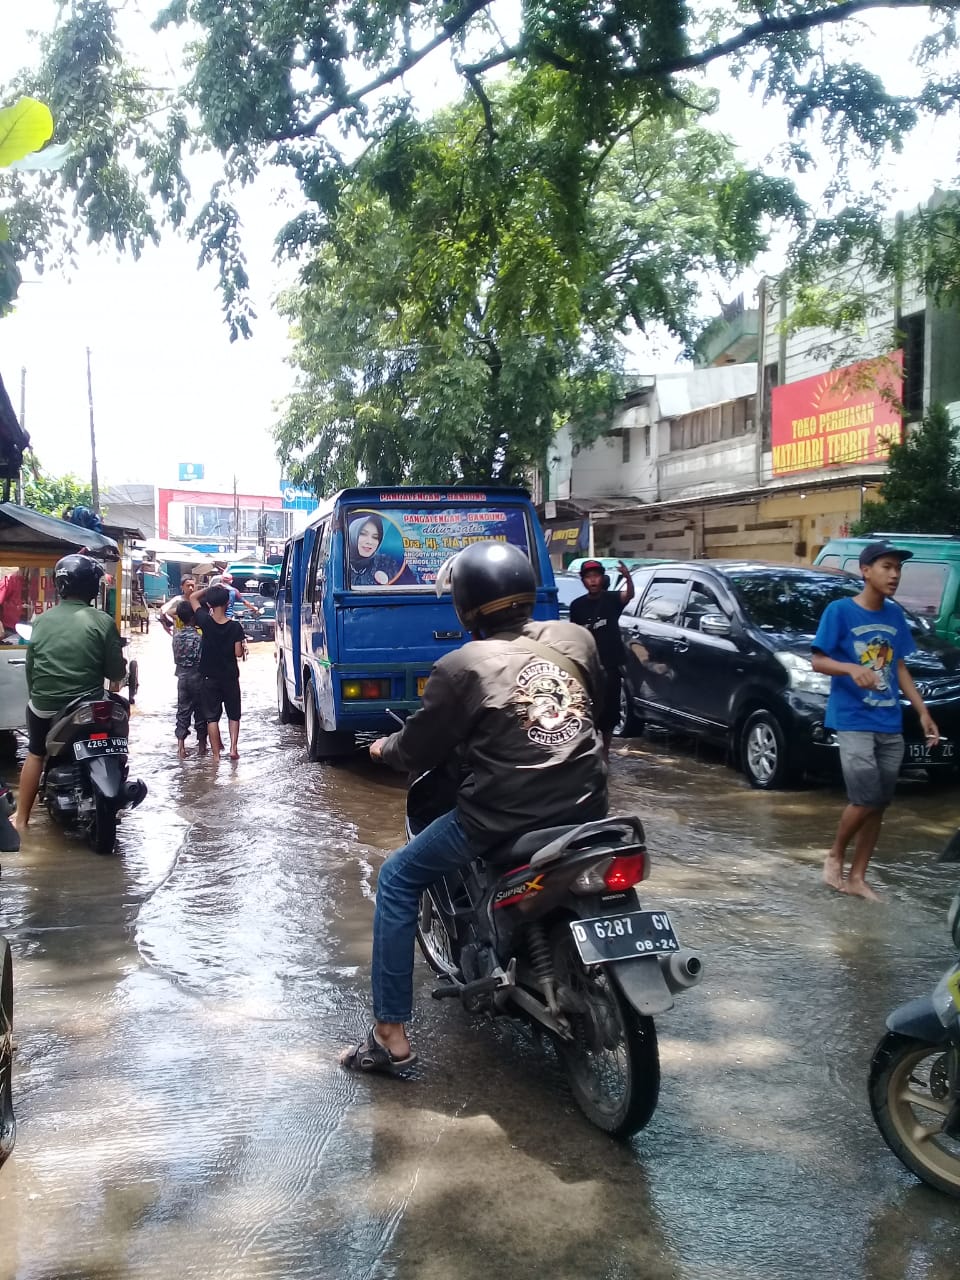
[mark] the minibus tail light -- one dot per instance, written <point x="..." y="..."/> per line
<point x="365" y="690"/>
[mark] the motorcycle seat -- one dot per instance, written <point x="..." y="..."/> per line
<point x="521" y="847"/>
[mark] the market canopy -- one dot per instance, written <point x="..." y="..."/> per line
<point x="26" y="530"/>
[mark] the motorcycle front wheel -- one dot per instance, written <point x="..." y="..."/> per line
<point x="612" y="1062"/>
<point x="8" y="1124"/>
<point x="909" y="1098"/>
<point x="439" y="949"/>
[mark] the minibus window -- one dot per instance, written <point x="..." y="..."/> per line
<point x="921" y="587"/>
<point x="403" y="547"/>
<point x="318" y="564"/>
<point x="285" y="567"/>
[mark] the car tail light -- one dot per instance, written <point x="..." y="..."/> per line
<point x="624" y="873"/>
<point x="102" y="712"/>
<point x="365" y="690"/>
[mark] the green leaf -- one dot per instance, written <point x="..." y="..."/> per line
<point x="24" y="128"/>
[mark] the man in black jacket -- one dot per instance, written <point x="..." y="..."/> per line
<point x="523" y="725"/>
<point x="599" y="611"/>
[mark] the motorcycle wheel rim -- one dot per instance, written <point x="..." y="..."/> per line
<point x="435" y="937"/>
<point x="917" y="1115"/>
<point x="598" y="1057"/>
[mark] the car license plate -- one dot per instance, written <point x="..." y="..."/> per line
<point x="626" y="937"/>
<point x="99" y="747"/>
<point x="421" y="685"/>
<point x="920" y="753"/>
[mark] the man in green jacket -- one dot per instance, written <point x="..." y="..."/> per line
<point x="73" y="649"/>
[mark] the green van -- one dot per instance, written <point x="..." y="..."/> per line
<point x="930" y="585"/>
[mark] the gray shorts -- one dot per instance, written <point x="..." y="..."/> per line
<point x="871" y="765"/>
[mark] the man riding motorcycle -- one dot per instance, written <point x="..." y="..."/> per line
<point x="517" y="703"/>
<point x="73" y="649"/>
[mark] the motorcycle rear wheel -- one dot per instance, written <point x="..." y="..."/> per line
<point x="613" y="1062"/>
<point x="439" y="950"/>
<point x="103" y="829"/>
<point x="908" y="1087"/>
<point x="8" y="1123"/>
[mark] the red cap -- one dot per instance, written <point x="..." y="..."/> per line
<point x="591" y="566"/>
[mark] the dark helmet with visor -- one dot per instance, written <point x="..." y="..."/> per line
<point x="77" y="577"/>
<point x="492" y="584"/>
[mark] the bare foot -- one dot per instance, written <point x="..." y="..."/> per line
<point x="216" y="757"/>
<point x="833" y="871"/>
<point x="860" y="889"/>
<point x="181" y="751"/>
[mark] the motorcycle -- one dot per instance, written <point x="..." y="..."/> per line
<point x="9" y="843"/>
<point x="85" y="784"/>
<point x="915" y="1073"/>
<point x="547" y="927"/>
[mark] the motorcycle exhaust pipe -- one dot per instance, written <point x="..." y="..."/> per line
<point x="681" y="969"/>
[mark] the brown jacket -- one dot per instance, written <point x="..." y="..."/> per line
<point x="524" y="729"/>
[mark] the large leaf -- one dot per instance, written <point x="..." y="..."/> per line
<point x="24" y="127"/>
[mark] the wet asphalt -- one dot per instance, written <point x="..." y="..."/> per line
<point x="179" y="1008"/>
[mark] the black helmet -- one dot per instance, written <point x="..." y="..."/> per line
<point x="492" y="584"/>
<point x="77" y="577"/>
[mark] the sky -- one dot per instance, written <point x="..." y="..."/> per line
<point x="170" y="388"/>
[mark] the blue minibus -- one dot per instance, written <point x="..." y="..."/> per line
<point x="359" y="624"/>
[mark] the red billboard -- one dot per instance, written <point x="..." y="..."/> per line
<point x="838" y="419"/>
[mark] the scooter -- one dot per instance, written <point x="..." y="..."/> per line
<point x="85" y="783"/>
<point x="9" y="843"/>
<point x="548" y="927"/>
<point x="915" y="1073"/>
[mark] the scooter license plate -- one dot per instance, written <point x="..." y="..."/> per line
<point x="99" y="747"/>
<point x="626" y="937"/>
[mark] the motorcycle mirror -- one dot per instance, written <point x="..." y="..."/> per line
<point x="951" y="852"/>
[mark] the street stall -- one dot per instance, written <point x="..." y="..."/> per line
<point x="30" y="546"/>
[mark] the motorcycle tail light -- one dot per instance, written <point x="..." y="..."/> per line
<point x="102" y="712"/>
<point x="624" y="873"/>
<point x="84" y="714"/>
<point x="119" y="712"/>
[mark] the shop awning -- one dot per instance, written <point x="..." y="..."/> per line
<point x="24" y="529"/>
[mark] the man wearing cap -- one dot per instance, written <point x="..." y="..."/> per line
<point x="599" y="611"/>
<point x="861" y="644"/>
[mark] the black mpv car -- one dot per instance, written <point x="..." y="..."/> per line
<point x="721" y="649"/>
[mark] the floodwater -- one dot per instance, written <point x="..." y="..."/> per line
<point x="180" y="1007"/>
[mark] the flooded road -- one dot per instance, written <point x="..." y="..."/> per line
<point x="180" y="1007"/>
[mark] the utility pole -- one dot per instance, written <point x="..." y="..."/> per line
<point x="94" y="484"/>
<point x="23" y="424"/>
<point x="236" y="518"/>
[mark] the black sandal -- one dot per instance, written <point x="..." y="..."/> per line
<point x="372" y="1056"/>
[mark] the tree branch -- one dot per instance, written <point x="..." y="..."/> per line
<point x="452" y="27"/>
<point x="774" y="26"/>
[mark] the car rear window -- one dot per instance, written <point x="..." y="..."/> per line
<point x="784" y="602"/>
<point x="404" y="548"/>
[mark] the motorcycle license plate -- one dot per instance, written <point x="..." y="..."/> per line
<point x="920" y="753"/>
<point x="626" y="937"/>
<point x="99" y="747"/>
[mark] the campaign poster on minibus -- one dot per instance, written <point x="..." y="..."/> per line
<point x="406" y="547"/>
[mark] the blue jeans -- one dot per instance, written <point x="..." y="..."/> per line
<point x="438" y="849"/>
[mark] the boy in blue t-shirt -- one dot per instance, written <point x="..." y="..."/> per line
<point x="861" y="643"/>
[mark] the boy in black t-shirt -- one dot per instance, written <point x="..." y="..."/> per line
<point x="599" y="611"/>
<point x="222" y="646"/>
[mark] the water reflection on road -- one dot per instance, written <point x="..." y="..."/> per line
<point x="179" y="1009"/>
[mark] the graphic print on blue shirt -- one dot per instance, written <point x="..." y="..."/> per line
<point x="873" y="638"/>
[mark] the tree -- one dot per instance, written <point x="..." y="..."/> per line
<point x="52" y="494"/>
<point x="268" y="82"/>
<point x="921" y="491"/>
<point x="464" y="302"/>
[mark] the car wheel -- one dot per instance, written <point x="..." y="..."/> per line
<point x="630" y="725"/>
<point x="323" y="744"/>
<point x="763" y="751"/>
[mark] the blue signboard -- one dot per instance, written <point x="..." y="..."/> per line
<point x="191" y="471"/>
<point x="297" y="497"/>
